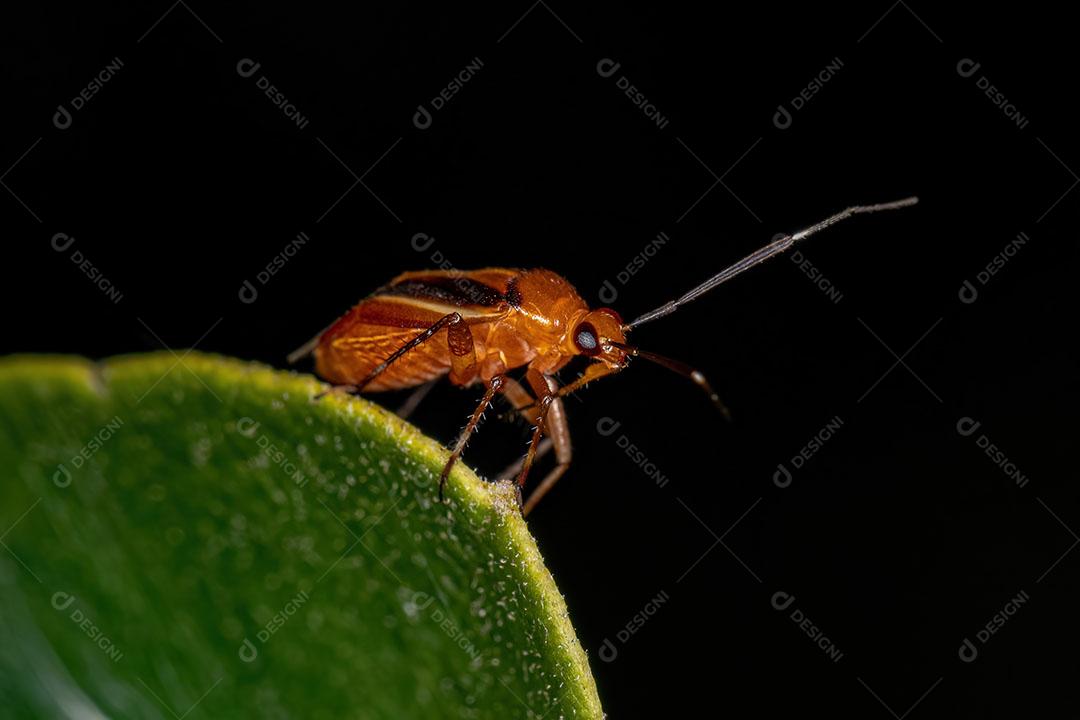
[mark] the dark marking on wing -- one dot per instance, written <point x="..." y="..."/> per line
<point x="457" y="291"/>
<point x="513" y="295"/>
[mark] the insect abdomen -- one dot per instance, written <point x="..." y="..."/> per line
<point x="397" y="313"/>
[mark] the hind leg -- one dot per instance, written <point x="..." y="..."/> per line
<point x="415" y="398"/>
<point x="462" y="354"/>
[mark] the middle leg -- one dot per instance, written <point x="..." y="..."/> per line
<point x="551" y="420"/>
<point x="524" y="403"/>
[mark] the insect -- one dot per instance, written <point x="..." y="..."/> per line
<point x="476" y="326"/>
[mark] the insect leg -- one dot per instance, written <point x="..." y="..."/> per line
<point x="523" y="402"/>
<point x="558" y="429"/>
<point x="415" y="398"/>
<point x="336" y="389"/>
<point x="306" y="349"/>
<point x="514" y="468"/>
<point x="593" y="372"/>
<point x="463" y="366"/>
<point x="452" y="319"/>
<point x="459" y="446"/>
<point x="538" y="432"/>
<point x="545" y="389"/>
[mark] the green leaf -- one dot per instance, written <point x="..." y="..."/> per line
<point x="197" y="538"/>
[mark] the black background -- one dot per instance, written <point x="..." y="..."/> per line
<point x="899" y="539"/>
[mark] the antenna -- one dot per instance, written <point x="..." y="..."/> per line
<point x="774" y="248"/>
<point x="680" y="368"/>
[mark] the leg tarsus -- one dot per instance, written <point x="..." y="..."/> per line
<point x="337" y="390"/>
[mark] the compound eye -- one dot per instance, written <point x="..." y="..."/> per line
<point x="586" y="340"/>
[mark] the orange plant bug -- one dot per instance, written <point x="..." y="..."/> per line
<point x="496" y="320"/>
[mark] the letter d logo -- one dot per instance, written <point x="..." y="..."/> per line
<point x="61" y="118"/>
<point x="248" y="652"/>
<point x="62" y="477"/>
<point x="248" y="294"/>
<point x="782" y="600"/>
<point x="968" y="294"/>
<point x="607" y="426"/>
<point x="782" y="477"/>
<point x="608" y="294"/>
<point x="421" y="118"/>
<point x="62" y="241"/>
<point x="62" y="600"/>
<point x="967" y="426"/>
<point x="967" y="67"/>
<point x="781" y="118"/>
<point x="608" y="651"/>
<point x="422" y="241"/>
<point x="607" y="67"/>
<point x="247" y="67"/>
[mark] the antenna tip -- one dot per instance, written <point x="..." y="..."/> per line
<point x="895" y="204"/>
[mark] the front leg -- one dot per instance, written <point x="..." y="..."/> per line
<point x="595" y="371"/>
